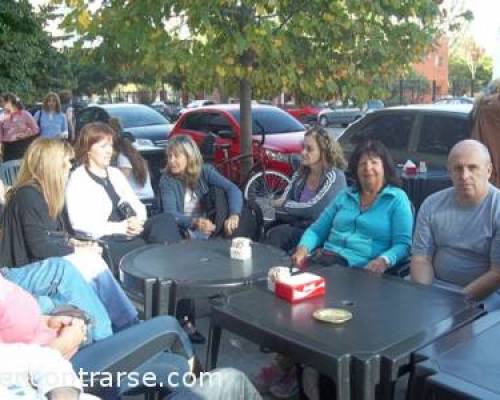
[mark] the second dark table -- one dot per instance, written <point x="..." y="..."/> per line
<point x="391" y="319"/>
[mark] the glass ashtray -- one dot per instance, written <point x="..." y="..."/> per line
<point x="332" y="315"/>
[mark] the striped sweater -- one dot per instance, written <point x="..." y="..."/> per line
<point x="331" y="182"/>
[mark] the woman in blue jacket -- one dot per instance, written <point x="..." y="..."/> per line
<point x="368" y="225"/>
<point x="184" y="185"/>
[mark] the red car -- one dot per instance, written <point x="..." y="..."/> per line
<point x="283" y="135"/>
<point x="306" y="114"/>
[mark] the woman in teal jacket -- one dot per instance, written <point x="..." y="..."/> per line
<point x="368" y="225"/>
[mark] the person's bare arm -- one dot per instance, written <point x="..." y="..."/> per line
<point x="421" y="269"/>
<point x="484" y="285"/>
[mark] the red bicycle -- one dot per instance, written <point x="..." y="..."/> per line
<point x="263" y="185"/>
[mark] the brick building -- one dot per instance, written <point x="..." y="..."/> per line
<point x="434" y="67"/>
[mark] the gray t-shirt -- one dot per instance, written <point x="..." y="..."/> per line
<point x="462" y="241"/>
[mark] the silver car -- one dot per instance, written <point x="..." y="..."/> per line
<point x="339" y="116"/>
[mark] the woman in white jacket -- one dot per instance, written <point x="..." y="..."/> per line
<point x="101" y="203"/>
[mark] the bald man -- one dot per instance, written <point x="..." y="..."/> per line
<point x="457" y="235"/>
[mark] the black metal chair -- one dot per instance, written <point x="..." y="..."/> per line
<point x="123" y="352"/>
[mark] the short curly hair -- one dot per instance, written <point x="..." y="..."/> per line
<point x="373" y="148"/>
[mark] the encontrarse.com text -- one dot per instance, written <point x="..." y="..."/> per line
<point x="147" y="379"/>
<point x="116" y="379"/>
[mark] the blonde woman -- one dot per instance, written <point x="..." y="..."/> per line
<point x="316" y="183"/>
<point x="34" y="230"/>
<point x="50" y="119"/>
<point x="186" y="181"/>
<point x="184" y="184"/>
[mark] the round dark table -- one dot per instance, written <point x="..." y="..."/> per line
<point x="192" y="269"/>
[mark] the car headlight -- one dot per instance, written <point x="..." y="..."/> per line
<point x="143" y="143"/>
<point x="276" y="156"/>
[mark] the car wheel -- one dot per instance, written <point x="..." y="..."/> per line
<point x="323" y="121"/>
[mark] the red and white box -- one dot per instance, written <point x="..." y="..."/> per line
<point x="295" y="288"/>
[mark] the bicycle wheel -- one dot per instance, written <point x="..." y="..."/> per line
<point x="263" y="187"/>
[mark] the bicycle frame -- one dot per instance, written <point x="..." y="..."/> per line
<point x="230" y="164"/>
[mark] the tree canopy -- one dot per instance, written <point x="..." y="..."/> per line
<point x="462" y="79"/>
<point x="29" y="65"/>
<point x="319" y="48"/>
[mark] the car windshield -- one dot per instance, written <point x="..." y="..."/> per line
<point x="132" y="117"/>
<point x="271" y="121"/>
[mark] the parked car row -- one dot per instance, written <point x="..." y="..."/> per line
<point x="416" y="132"/>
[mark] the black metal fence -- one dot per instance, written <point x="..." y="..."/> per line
<point x="403" y="91"/>
<point x="415" y="91"/>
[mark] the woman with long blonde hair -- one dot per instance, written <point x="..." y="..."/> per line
<point x="47" y="167"/>
<point x="34" y="228"/>
<point x="186" y="181"/>
<point x="184" y="184"/>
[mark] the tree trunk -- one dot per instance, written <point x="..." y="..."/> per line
<point x="108" y="94"/>
<point x="247" y="59"/>
<point x="245" y="127"/>
<point x="222" y="93"/>
<point x="185" y="97"/>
